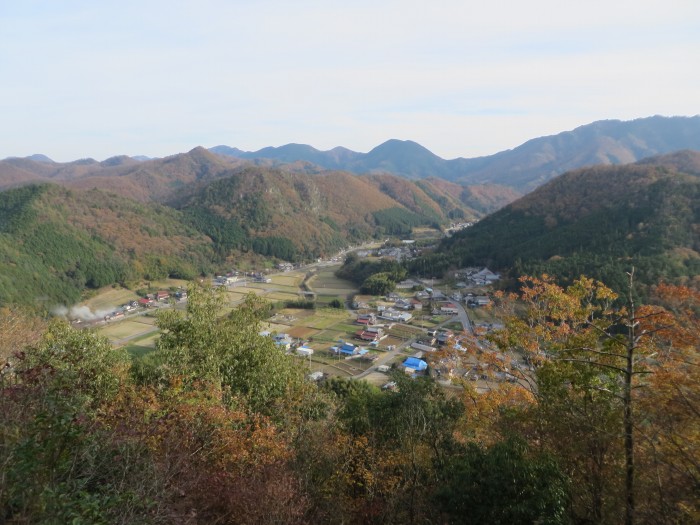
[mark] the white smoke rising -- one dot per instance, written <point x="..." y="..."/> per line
<point x="59" y="311"/>
<point x="84" y="313"/>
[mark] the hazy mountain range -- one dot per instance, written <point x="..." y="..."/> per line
<point x="522" y="169"/>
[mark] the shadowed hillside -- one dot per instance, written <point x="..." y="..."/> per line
<point x="598" y="221"/>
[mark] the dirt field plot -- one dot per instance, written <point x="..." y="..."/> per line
<point x="333" y="371"/>
<point x="391" y="341"/>
<point x="405" y="332"/>
<point x="302" y="332"/>
<point x="279" y="328"/>
<point x="296" y="314"/>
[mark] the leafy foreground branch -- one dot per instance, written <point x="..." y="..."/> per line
<point x="598" y="365"/>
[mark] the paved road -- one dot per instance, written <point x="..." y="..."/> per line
<point x="464" y="318"/>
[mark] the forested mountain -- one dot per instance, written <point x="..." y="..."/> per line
<point x="172" y="177"/>
<point x="506" y="174"/>
<point x="598" y="221"/>
<point x="522" y="168"/>
<point x="55" y="242"/>
<point x="294" y="215"/>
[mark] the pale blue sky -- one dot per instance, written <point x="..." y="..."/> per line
<point x="463" y="78"/>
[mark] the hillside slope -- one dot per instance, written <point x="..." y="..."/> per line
<point x="598" y="221"/>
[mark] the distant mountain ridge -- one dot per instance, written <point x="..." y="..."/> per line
<point x="171" y="178"/>
<point x="522" y="168"/>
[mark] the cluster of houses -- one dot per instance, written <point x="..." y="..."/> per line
<point x="457" y="226"/>
<point x="288" y="344"/>
<point x="285" y="267"/>
<point x="476" y="277"/>
<point x="224" y="280"/>
<point x="148" y="301"/>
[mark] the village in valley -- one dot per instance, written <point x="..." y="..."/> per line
<point x="424" y="327"/>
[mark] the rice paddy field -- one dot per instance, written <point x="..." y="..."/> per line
<point x="129" y="329"/>
<point x="326" y="318"/>
<point x="282" y="296"/>
<point x="110" y="298"/>
<point x="326" y="283"/>
<point x="291" y="279"/>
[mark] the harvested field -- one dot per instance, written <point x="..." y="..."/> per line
<point x="391" y="341"/>
<point x="404" y="331"/>
<point x="110" y="298"/>
<point x="282" y="296"/>
<point x="302" y="332"/>
<point x="279" y="328"/>
<point x="288" y="279"/>
<point x="326" y="283"/>
<point x="321" y="322"/>
<point x="333" y="371"/>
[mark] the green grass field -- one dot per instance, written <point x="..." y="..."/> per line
<point x="125" y="329"/>
<point x="291" y="279"/>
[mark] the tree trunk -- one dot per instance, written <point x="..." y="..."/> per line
<point x="627" y="401"/>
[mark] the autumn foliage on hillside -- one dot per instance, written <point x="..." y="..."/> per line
<point x="597" y="221"/>
<point x="217" y="425"/>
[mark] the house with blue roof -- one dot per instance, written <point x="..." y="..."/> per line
<point x="346" y="349"/>
<point x="415" y="364"/>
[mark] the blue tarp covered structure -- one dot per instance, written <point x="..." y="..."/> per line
<point x="348" y="349"/>
<point x="415" y="363"/>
